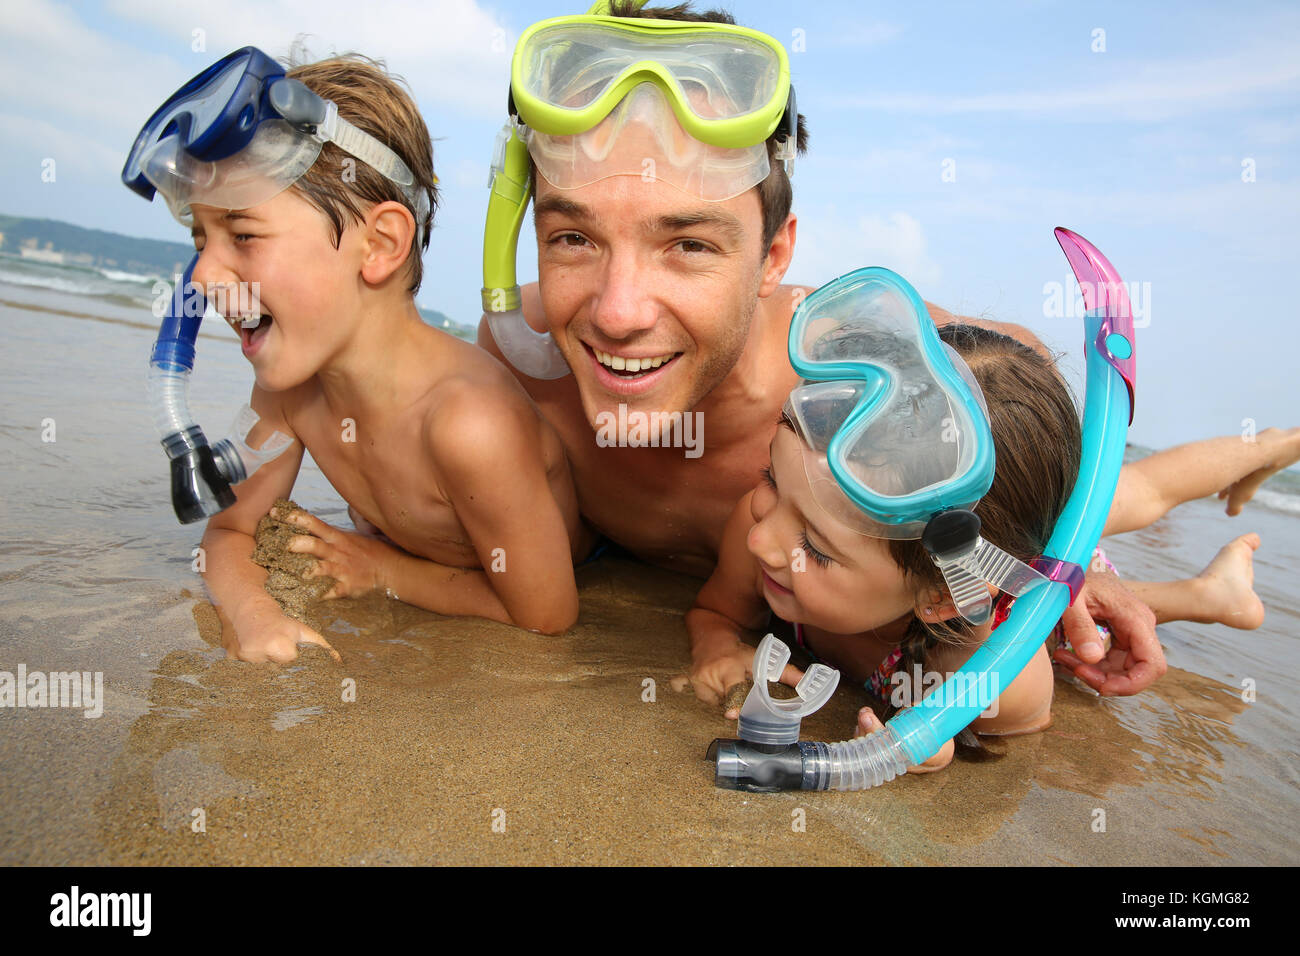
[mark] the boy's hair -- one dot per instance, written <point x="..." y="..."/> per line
<point x="1037" y="442"/>
<point x="774" y="193"/>
<point x="343" y="187"/>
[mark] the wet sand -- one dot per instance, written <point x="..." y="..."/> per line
<point x="434" y="729"/>
<point x="577" y="750"/>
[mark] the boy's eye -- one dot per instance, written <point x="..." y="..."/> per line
<point x="243" y="237"/>
<point x="766" y="472"/>
<point x="818" y="556"/>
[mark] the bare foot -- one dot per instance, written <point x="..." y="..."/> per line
<point x="1287" y="453"/>
<point x="1229" y="586"/>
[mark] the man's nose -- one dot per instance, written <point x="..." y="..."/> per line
<point x="626" y="302"/>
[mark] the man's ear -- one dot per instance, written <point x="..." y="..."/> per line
<point x="389" y="233"/>
<point x="779" y="254"/>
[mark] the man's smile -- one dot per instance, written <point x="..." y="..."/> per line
<point x="629" y="374"/>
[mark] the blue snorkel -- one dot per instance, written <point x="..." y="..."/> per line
<point x="916" y="734"/>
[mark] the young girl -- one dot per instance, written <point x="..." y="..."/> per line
<point x="874" y="607"/>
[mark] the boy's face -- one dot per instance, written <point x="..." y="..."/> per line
<point x="637" y="269"/>
<point x="860" y="588"/>
<point x="282" y="250"/>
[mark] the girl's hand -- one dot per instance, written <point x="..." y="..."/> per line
<point x="357" y="563"/>
<point x="869" y="723"/>
<point x="713" y="677"/>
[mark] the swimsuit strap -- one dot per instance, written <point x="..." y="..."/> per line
<point x="878" y="681"/>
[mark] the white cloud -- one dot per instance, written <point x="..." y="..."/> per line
<point x="453" y="53"/>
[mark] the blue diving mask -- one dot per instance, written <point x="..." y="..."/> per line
<point x="240" y="133"/>
<point x="895" y="432"/>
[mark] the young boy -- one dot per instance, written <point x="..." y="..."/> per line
<point x="428" y="438"/>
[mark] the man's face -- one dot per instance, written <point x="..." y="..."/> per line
<point x="284" y="247"/>
<point x="649" y="292"/>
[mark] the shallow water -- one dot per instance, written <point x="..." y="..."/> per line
<point x="468" y="741"/>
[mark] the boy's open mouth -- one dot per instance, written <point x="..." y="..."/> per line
<point x="251" y="328"/>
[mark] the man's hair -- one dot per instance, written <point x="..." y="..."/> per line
<point x="774" y="192"/>
<point x="342" y="186"/>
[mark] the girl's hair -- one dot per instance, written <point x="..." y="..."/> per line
<point x="1037" y="441"/>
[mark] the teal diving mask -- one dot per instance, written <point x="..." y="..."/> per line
<point x="896" y="438"/>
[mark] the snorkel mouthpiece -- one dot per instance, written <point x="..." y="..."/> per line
<point x="201" y="475"/>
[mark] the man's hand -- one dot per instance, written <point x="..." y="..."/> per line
<point x="267" y="634"/>
<point x="356" y="562"/>
<point x="1135" y="659"/>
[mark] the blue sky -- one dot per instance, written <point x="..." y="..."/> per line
<point x="1139" y="147"/>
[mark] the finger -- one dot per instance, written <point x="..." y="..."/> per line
<point x="307" y="636"/>
<point x="308" y="544"/>
<point x="791" y="676"/>
<point x="310" y="522"/>
<point x="868" y="722"/>
<point x="1081" y="631"/>
<point x="706" y="692"/>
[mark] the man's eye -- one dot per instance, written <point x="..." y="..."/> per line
<point x="571" y="239"/>
<point x="692" y="246"/>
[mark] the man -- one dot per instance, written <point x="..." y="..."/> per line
<point x="662" y="290"/>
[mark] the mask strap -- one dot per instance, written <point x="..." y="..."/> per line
<point x="968" y="562"/>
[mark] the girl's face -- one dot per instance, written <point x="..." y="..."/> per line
<point x="813" y="569"/>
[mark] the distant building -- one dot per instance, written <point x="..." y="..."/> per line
<point x="42" y="255"/>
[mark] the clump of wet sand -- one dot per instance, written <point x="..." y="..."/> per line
<point x="287" y="579"/>
<point x="737" y="693"/>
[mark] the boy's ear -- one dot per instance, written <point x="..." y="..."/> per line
<point x="390" y="231"/>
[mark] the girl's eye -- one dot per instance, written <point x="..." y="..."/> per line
<point x="766" y="472"/>
<point x="819" y="557"/>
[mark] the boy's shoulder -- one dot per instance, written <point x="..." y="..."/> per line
<point x="476" y="407"/>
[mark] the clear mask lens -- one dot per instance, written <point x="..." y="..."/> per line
<point x="642" y="137"/>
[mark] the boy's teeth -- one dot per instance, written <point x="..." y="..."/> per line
<point x="620" y="364"/>
<point x="251" y="321"/>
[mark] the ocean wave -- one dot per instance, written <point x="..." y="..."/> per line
<point x="1277" y="501"/>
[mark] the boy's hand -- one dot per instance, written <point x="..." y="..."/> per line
<point x="357" y="563"/>
<point x="267" y="634"/>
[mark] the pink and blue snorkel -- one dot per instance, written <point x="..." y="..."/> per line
<point x="769" y="756"/>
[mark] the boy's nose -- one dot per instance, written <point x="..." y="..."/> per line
<point x="210" y="272"/>
<point x="626" y="303"/>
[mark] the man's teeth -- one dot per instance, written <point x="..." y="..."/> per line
<point x="620" y="364"/>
